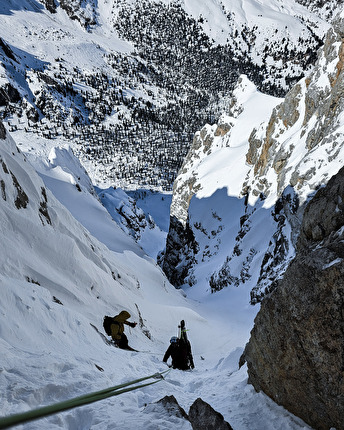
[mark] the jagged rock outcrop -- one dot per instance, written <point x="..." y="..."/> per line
<point x="203" y="417"/>
<point x="296" y="350"/>
<point x="170" y="405"/>
<point x="2" y="131"/>
<point x="78" y="10"/>
<point x="288" y="156"/>
<point x="287" y="215"/>
<point x="8" y="94"/>
<point x="50" y="5"/>
<point x="180" y="242"/>
<point x="309" y="116"/>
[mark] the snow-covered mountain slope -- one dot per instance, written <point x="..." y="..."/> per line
<point x="63" y="173"/>
<point x="245" y="180"/>
<point x="134" y="220"/>
<point x="44" y="246"/>
<point x="228" y="236"/>
<point x="324" y="8"/>
<point x="118" y="82"/>
<point x="57" y="279"/>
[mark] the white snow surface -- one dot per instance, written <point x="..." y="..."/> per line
<point x="49" y="350"/>
<point x="266" y="13"/>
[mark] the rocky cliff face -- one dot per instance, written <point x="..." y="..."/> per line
<point x="285" y="157"/>
<point x="296" y="350"/>
<point x="310" y="117"/>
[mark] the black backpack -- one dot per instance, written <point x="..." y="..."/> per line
<point x="107" y="324"/>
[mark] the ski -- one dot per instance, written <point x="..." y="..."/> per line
<point x="111" y="342"/>
<point x="184" y="338"/>
<point x="182" y="331"/>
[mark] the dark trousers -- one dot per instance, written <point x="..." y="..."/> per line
<point x="122" y="342"/>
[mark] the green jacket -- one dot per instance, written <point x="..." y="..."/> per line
<point x="117" y="328"/>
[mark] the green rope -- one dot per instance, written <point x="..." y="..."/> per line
<point x="86" y="399"/>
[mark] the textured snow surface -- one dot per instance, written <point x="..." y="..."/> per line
<point x="58" y="279"/>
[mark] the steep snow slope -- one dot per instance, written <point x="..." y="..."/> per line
<point x="56" y="279"/>
<point x="63" y="173"/>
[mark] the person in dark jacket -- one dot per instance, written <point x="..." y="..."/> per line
<point x="117" y="329"/>
<point x="180" y="352"/>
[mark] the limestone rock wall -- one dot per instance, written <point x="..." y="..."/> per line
<point x="296" y="350"/>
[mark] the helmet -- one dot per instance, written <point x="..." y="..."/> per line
<point x="173" y="339"/>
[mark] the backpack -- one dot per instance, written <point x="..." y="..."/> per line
<point x="107" y="324"/>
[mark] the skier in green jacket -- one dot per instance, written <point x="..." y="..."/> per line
<point x="117" y="329"/>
